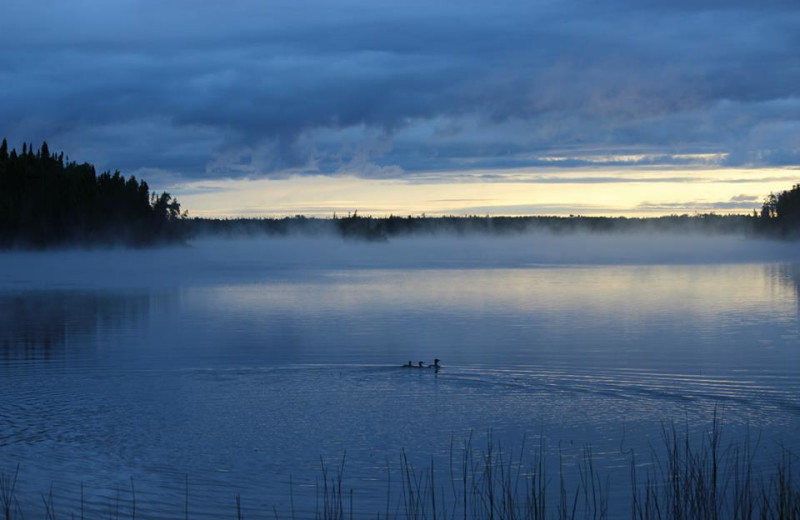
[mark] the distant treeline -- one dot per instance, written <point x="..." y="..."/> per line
<point x="778" y="218"/>
<point x="382" y="228"/>
<point x="47" y="201"/>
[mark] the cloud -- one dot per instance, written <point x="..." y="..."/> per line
<point x="745" y="198"/>
<point x="531" y="209"/>
<point x="249" y="89"/>
<point x="699" y="206"/>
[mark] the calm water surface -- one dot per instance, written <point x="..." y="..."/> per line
<point x="244" y="374"/>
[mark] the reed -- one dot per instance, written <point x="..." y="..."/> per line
<point x="8" y="486"/>
<point x="685" y="479"/>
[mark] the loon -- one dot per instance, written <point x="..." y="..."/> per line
<point x="436" y="366"/>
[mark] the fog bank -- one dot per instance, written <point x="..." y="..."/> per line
<point x="239" y="260"/>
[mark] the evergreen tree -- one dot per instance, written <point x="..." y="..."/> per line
<point x="787" y="205"/>
<point x="45" y="202"/>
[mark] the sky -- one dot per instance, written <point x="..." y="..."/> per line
<point x="283" y="107"/>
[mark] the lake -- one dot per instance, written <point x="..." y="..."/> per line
<point x="232" y="368"/>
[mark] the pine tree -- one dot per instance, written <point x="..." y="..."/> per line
<point x="44" y="202"/>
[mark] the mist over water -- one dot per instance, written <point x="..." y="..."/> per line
<point x="240" y="362"/>
<point x="225" y="260"/>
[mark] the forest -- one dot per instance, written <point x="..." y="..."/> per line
<point x="779" y="218"/>
<point x="47" y="201"/>
<point x="781" y="213"/>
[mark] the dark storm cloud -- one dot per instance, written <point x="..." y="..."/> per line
<point x="384" y="89"/>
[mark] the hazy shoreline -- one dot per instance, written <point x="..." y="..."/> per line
<point x="188" y="231"/>
<point x="372" y="228"/>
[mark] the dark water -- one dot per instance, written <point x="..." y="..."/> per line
<point x="237" y="377"/>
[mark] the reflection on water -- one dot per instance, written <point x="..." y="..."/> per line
<point x="787" y="275"/>
<point x="639" y="317"/>
<point x="244" y="385"/>
<point x="44" y="324"/>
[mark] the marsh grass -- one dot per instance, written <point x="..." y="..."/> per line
<point x="713" y="480"/>
<point x="8" y="501"/>
<point x="685" y="478"/>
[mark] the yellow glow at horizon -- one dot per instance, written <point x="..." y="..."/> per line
<point x="519" y="192"/>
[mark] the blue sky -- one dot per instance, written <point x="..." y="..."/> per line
<point x="566" y="106"/>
